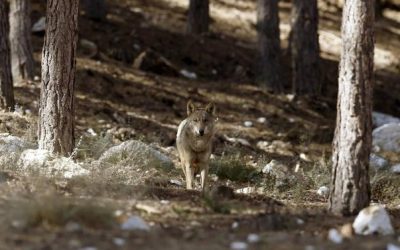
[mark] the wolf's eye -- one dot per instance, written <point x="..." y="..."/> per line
<point x="205" y="120"/>
<point x="196" y="120"/>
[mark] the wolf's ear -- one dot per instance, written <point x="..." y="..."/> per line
<point x="210" y="108"/>
<point x="190" y="107"/>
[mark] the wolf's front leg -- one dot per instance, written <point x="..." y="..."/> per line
<point x="189" y="174"/>
<point x="204" y="177"/>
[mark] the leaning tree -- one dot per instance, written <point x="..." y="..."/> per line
<point x="304" y="47"/>
<point x="350" y="187"/>
<point x="56" y="112"/>
<point x="269" y="45"/>
<point x="6" y="84"/>
<point x="20" y="37"/>
<point x="198" y="16"/>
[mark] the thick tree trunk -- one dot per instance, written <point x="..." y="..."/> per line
<point x="269" y="44"/>
<point x="350" y="190"/>
<point x="305" y="47"/>
<point x="56" y="113"/>
<point x="198" y="16"/>
<point x="95" y="9"/>
<point x="6" y="84"/>
<point x="20" y="37"/>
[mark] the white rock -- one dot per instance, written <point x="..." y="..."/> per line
<point x="246" y="190"/>
<point x="176" y="182"/>
<point x="297" y="167"/>
<point x="91" y="132"/>
<point x="261" y="119"/>
<point x="387" y="138"/>
<point x="36" y="78"/>
<point x="40" y="25"/>
<point x="299" y="221"/>
<point x="241" y="141"/>
<point x="290" y="97"/>
<point x="253" y="238"/>
<point x="239" y="245"/>
<point x="135" y="223"/>
<point x="235" y="225"/>
<point x="43" y="162"/>
<point x="248" y="124"/>
<point x="379" y="119"/>
<point x="377" y="162"/>
<point x="276" y="146"/>
<point x="323" y="191"/>
<point x="391" y="246"/>
<point x="335" y="236"/>
<point x="188" y="74"/>
<point x="395" y="169"/>
<point x="304" y="157"/>
<point x="119" y="241"/>
<point x="275" y="168"/>
<point x="373" y="219"/>
<point x="135" y="153"/>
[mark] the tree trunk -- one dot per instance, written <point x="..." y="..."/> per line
<point x="350" y="190"/>
<point x="305" y="47"/>
<point x="6" y="84"/>
<point x="269" y="44"/>
<point x="56" y="113"/>
<point x="379" y="7"/>
<point x="198" y="16"/>
<point x="20" y="37"/>
<point x="95" y="9"/>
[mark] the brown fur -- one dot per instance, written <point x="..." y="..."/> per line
<point x="194" y="142"/>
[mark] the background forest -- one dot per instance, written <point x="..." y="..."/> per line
<point x="118" y="183"/>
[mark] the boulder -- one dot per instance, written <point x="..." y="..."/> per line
<point x="135" y="154"/>
<point x="44" y="163"/>
<point x="11" y="148"/>
<point x="387" y="138"/>
<point x="373" y="219"/>
<point x="380" y="119"/>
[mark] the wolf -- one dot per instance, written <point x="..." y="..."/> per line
<point x="194" y="142"/>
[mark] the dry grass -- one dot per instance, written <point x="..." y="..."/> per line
<point x="57" y="210"/>
<point x="234" y="168"/>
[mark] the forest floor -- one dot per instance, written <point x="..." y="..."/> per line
<point x="120" y="94"/>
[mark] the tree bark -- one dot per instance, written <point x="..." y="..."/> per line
<point x="6" y="84"/>
<point x="305" y="47"/>
<point x="56" y="113"/>
<point x="20" y="37"/>
<point x="269" y="44"/>
<point x="95" y="9"/>
<point x="350" y="187"/>
<point x="198" y="16"/>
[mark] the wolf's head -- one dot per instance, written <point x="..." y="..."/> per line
<point x="201" y="121"/>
